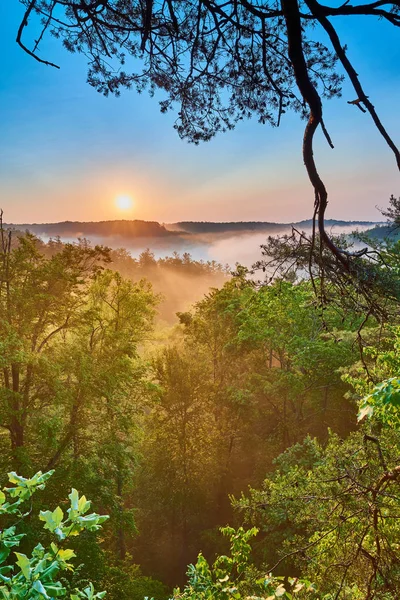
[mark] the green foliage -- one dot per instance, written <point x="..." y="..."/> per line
<point x="72" y="383"/>
<point x="383" y="403"/>
<point x="332" y="512"/>
<point x="246" y="374"/>
<point x="161" y="435"/>
<point x="126" y="581"/>
<point x="381" y="363"/>
<point x="233" y="577"/>
<point x="38" y="576"/>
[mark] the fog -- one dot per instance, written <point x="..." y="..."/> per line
<point x="245" y="248"/>
<point x="227" y="248"/>
<point x="183" y="266"/>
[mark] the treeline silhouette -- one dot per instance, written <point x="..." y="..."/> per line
<point x="75" y="229"/>
<point x="249" y="226"/>
<point x="133" y="229"/>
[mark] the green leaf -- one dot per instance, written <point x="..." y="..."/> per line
<point x="51" y="570"/>
<point x="47" y="517"/>
<point x="83" y="504"/>
<point x="74" y="497"/>
<point x="55" y="590"/>
<point x="54" y="547"/>
<point x="366" y="411"/>
<point x="58" y="516"/>
<point x="43" y="477"/>
<point x="4" y="552"/>
<point x="5" y="594"/>
<point x="66" y="554"/>
<point x="24" y="563"/>
<point x="38" y="551"/>
<point x="38" y="587"/>
<point x="14" y="478"/>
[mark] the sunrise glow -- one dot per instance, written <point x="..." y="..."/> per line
<point x="124" y="202"/>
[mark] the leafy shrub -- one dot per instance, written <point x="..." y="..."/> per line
<point x="126" y="581"/>
<point x="38" y="576"/>
<point x="235" y="578"/>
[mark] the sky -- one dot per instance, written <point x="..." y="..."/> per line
<point x="67" y="153"/>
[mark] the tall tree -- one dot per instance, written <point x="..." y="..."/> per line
<point x="40" y="300"/>
<point x="72" y="383"/>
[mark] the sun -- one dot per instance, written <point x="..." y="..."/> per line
<point x="124" y="202"/>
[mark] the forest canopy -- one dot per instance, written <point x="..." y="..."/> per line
<point x="256" y="407"/>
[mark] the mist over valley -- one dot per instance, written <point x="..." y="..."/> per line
<point x="228" y="243"/>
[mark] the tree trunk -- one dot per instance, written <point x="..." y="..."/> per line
<point x="120" y="532"/>
<point x="72" y="426"/>
<point x="16" y="421"/>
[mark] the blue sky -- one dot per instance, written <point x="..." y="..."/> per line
<point x="66" y="152"/>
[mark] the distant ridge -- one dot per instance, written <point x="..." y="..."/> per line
<point x="214" y="227"/>
<point x="137" y="229"/>
<point x="73" y="229"/>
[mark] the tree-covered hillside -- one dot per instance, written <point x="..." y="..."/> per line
<point x="244" y="410"/>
